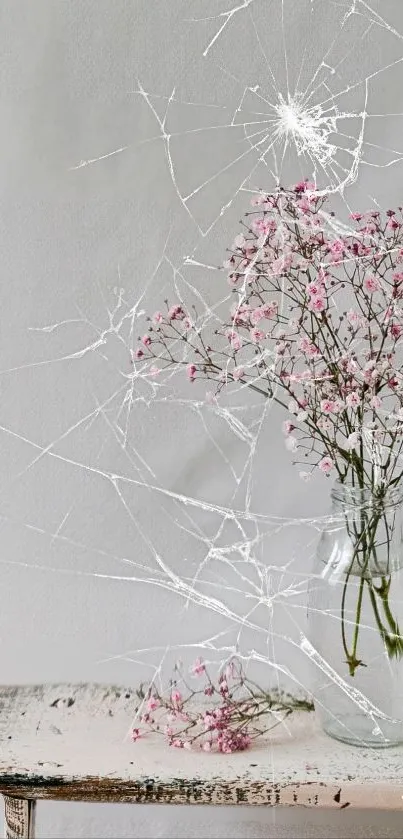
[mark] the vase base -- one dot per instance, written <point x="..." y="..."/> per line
<point x="354" y="730"/>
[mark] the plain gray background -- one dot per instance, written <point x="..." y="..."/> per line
<point x="113" y="112"/>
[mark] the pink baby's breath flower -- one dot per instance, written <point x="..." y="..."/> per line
<point x="308" y="348"/>
<point x="257" y="315"/>
<point x="287" y="427"/>
<point x="152" y="703"/>
<point x="136" y="734"/>
<point x="158" y="317"/>
<point x="139" y="353"/>
<point x="305" y="186"/>
<point x="353" y="399"/>
<point x="371" y="284"/>
<point x="317" y="304"/>
<point x="176" y="313"/>
<point x="328" y="406"/>
<point x="326" y="465"/>
<point x="234" y="339"/>
<point x="176" y="697"/>
<point x="198" y="667"/>
<point x="315" y="289"/>
<point x="337" y="247"/>
<point x="354" y="318"/>
<point x="395" y="330"/>
<point x="257" y="335"/>
<point x="238" y="373"/>
<point x="146" y="340"/>
<point x="191" y="371"/>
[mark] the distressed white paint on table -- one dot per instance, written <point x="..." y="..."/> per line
<point x="72" y="742"/>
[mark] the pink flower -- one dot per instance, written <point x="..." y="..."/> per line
<point x="206" y="746"/>
<point x="398" y="276"/>
<point x="176" y="313"/>
<point x="354" y="318"/>
<point x="396" y="330"/>
<point x="176" y="697"/>
<point x="152" y="703"/>
<point x="305" y="186"/>
<point x="328" y="406"/>
<point x="326" y="464"/>
<point x="191" y="371"/>
<point x="257" y="335"/>
<point x="139" y="353"/>
<point x="307" y="347"/>
<point x="375" y="403"/>
<point x="371" y="284"/>
<point x="353" y="400"/>
<point x="356" y="216"/>
<point x="198" y="667"/>
<point x="337" y="247"/>
<point x="257" y="315"/>
<point x="315" y="289"/>
<point x="136" y="734"/>
<point x="287" y="427"/>
<point x="270" y="309"/>
<point x="234" y="339"/>
<point x="316" y="304"/>
<point x="157" y="317"/>
<point x="237" y="373"/>
<point x="146" y="340"/>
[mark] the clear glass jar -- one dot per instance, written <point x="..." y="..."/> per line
<point x="355" y="609"/>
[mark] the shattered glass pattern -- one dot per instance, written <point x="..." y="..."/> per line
<point x="118" y="477"/>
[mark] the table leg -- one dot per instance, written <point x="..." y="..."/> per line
<point x="20" y="818"/>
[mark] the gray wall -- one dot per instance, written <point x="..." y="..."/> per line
<point x="112" y="112"/>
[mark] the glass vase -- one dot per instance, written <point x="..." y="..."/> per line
<point x="355" y="608"/>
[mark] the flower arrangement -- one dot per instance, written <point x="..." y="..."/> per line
<point x="223" y="715"/>
<point x="316" y="325"/>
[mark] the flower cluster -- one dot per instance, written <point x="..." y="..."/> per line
<point x="224" y="715"/>
<point x="316" y="325"/>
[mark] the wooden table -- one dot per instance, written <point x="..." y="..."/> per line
<point x="72" y="743"/>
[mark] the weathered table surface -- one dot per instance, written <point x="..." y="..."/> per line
<point x="72" y="742"/>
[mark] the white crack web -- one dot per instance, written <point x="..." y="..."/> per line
<point x="192" y="495"/>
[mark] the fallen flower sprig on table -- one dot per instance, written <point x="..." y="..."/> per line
<point x="224" y="714"/>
